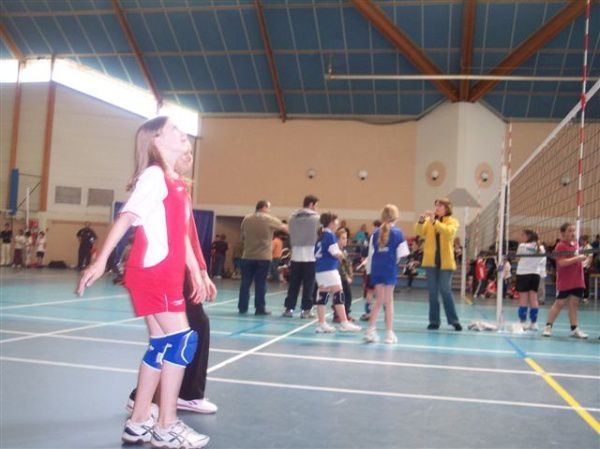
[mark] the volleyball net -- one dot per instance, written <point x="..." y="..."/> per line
<point x="543" y="192"/>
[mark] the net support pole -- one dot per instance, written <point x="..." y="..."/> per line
<point x="501" y="214"/>
<point x="586" y="39"/>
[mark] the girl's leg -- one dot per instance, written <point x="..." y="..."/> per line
<point x="171" y="375"/>
<point x="555" y="310"/>
<point x="534" y="307"/>
<point x="388" y="299"/>
<point x="379" y="297"/>
<point x="523" y="302"/>
<point x="340" y="309"/>
<point x="573" y="303"/>
<point x="148" y="379"/>
<point x="321" y="307"/>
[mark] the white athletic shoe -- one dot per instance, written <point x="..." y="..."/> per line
<point x="197" y="405"/>
<point x="324" y="329"/>
<point x="578" y="333"/>
<point x="137" y="433"/>
<point x="347" y="326"/>
<point x="371" y="335"/>
<point x="178" y="436"/>
<point x="153" y="408"/>
<point x="390" y="338"/>
<point x="532" y="327"/>
<point x="547" y="332"/>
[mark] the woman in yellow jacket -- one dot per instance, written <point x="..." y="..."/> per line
<point x="438" y="228"/>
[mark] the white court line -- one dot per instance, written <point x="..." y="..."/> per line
<point x="263" y="345"/>
<point x="398" y="395"/>
<point x="434" y="347"/>
<point x="126" y="323"/>
<point x="65" y="301"/>
<point x="314" y="388"/>
<point x="47" y="318"/>
<point x="74" y="329"/>
<point x="259" y="347"/>
<point x="325" y="359"/>
<point x="97" y="298"/>
<point x="97" y="324"/>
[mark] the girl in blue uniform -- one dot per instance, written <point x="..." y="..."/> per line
<point x="387" y="247"/>
<point x="327" y="259"/>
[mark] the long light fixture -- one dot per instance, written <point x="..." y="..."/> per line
<point x="348" y="77"/>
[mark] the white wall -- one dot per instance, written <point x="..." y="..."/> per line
<point x="92" y="147"/>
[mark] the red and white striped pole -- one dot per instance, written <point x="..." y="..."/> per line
<point x="586" y="42"/>
<point x="508" y="177"/>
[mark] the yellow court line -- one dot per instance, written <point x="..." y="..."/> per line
<point x="585" y="415"/>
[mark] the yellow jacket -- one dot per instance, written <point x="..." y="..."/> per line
<point x="447" y="228"/>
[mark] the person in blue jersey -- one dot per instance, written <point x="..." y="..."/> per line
<point x="388" y="246"/>
<point x="327" y="258"/>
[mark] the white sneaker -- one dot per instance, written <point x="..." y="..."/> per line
<point x="178" y="436"/>
<point x="153" y="408"/>
<point x="307" y="314"/>
<point x="547" y="330"/>
<point x="135" y="433"/>
<point x="371" y="335"/>
<point x="533" y="327"/>
<point x="390" y="338"/>
<point x="347" y="326"/>
<point x="578" y="333"/>
<point x="197" y="405"/>
<point x="324" y="329"/>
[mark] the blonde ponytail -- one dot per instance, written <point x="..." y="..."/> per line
<point x="384" y="234"/>
<point x="389" y="215"/>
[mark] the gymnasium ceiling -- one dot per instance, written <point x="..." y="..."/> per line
<point x="210" y="55"/>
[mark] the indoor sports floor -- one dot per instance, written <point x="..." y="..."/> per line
<point x="68" y="365"/>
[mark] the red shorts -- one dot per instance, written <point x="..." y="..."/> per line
<point x="148" y="302"/>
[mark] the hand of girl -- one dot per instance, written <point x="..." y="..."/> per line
<point x="90" y="275"/>
<point x="210" y="287"/>
<point x="199" y="292"/>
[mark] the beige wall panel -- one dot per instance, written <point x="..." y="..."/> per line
<point x="62" y="241"/>
<point x="243" y="160"/>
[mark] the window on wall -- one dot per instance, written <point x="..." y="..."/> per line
<point x="67" y="195"/>
<point x="98" y="85"/>
<point x="100" y="197"/>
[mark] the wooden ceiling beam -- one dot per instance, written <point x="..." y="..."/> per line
<point x="137" y="52"/>
<point x="402" y="42"/>
<point x="272" y="67"/>
<point x="10" y="43"/>
<point x="466" y="51"/>
<point x="530" y="46"/>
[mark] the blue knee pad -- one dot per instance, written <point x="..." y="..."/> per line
<point x="181" y="347"/>
<point x="338" y="298"/>
<point x="154" y="355"/>
<point x="523" y="313"/>
<point x="322" y="298"/>
<point x="533" y="315"/>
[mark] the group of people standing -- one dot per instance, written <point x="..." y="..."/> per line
<point x="28" y="248"/>
<point x="319" y="266"/>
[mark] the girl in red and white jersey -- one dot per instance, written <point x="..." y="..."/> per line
<point x="160" y="210"/>
<point x="570" y="283"/>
